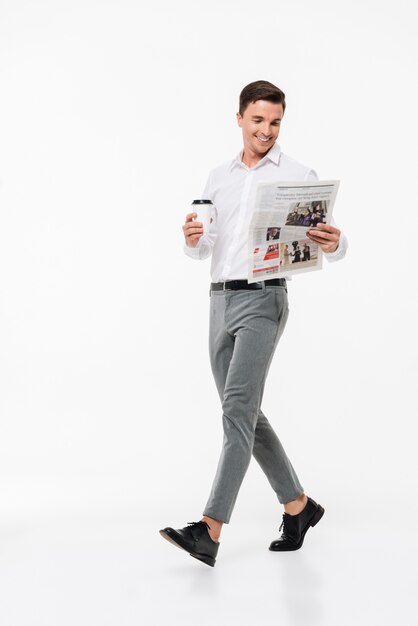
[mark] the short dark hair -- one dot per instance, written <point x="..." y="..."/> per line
<point x="260" y="90"/>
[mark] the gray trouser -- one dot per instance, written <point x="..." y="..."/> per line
<point x="245" y="327"/>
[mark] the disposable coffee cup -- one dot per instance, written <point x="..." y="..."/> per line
<point x="204" y="210"/>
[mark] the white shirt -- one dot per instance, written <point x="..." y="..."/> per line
<point x="231" y="187"/>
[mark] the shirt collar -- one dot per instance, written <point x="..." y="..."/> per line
<point x="273" y="155"/>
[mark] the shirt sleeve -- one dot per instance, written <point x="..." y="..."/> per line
<point x="205" y="244"/>
<point x="339" y="253"/>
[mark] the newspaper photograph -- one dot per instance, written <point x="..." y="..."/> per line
<point x="283" y="212"/>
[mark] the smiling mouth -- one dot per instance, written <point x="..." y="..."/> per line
<point x="263" y="139"/>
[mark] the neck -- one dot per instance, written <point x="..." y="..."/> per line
<point x="250" y="158"/>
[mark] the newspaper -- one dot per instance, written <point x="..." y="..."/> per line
<point x="283" y="212"/>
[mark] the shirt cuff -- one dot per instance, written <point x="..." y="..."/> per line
<point x="339" y="253"/>
<point x="194" y="253"/>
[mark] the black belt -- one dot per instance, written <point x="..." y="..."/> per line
<point x="244" y="284"/>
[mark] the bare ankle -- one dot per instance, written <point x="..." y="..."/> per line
<point x="215" y="527"/>
<point x="296" y="506"/>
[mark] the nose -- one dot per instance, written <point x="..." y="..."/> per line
<point x="265" y="129"/>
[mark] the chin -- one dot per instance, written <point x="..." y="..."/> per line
<point x="260" y="149"/>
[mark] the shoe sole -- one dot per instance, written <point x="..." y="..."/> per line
<point x="315" y="519"/>
<point x="209" y="560"/>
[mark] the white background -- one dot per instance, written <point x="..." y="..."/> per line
<point x="111" y="116"/>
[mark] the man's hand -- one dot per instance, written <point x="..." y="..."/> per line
<point x="327" y="236"/>
<point x="192" y="230"/>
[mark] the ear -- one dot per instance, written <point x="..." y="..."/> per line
<point x="239" y="119"/>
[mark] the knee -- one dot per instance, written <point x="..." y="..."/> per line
<point x="239" y="421"/>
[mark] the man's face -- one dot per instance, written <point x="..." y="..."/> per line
<point x="260" y="126"/>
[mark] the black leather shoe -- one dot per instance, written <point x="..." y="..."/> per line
<point x="295" y="527"/>
<point x="195" y="539"/>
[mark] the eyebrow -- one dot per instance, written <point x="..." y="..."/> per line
<point x="260" y="117"/>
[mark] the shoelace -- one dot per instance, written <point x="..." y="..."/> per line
<point x="196" y="523"/>
<point x="282" y="525"/>
<point x="191" y="525"/>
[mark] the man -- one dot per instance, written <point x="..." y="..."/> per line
<point x="296" y="252"/>
<point x="246" y="322"/>
<point x="273" y="233"/>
